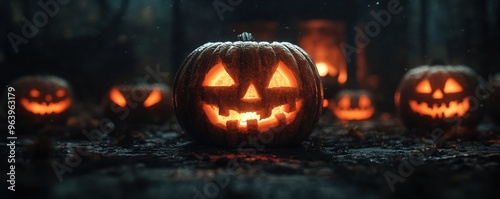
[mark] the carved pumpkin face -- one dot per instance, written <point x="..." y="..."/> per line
<point x="227" y="92"/>
<point x="248" y="111"/>
<point x="140" y="103"/>
<point x="43" y="99"/>
<point x="321" y="40"/>
<point x="435" y="96"/>
<point x="353" y="105"/>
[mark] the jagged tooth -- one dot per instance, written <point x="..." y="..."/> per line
<point x="232" y="125"/>
<point x="291" y="106"/>
<point x="252" y="125"/>
<point x="287" y="108"/>
<point x="281" y="118"/>
<point x="223" y="111"/>
<point x="265" y="113"/>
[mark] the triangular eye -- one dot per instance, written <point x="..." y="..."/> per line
<point x="34" y="93"/>
<point x="364" y="102"/>
<point x="116" y="96"/>
<point x="452" y="86"/>
<point x="60" y="93"/>
<point x="282" y="77"/>
<point x="218" y="76"/>
<point x="424" y="87"/>
<point x="345" y="102"/>
<point x="153" y="98"/>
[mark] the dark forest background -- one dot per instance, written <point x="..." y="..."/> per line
<point x="95" y="44"/>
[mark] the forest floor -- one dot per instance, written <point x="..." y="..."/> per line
<point x="371" y="159"/>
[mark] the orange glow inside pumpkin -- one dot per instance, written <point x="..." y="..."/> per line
<point x="363" y="111"/>
<point x="60" y="93"/>
<point x="251" y="95"/>
<point x="454" y="108"/>
<point x="452" y="86"/>
<point x="116" y="97"/>
<point x="34" y="93"/>
<point x="438" y="94"/>
<point x="282" y="77"/>
<point x="153" y="98"/>
<point x="424" y="87"/>
<point x="47" y="107"/>
<point x="440" y="110"/>
<point x="218" y="76"/>
<point x="251" y="121"/>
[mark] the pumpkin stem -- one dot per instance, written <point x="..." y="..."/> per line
<point x="246" y="36"/>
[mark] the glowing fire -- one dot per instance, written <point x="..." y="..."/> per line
<point x="46" y="108"/>
<point x="322" y="69"/>
<point x="325" y="69"/>
<point x="251" y="120"/>
<point x="454" y="108"/>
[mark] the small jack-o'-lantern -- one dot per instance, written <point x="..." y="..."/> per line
<point x="321" y="40"/>
<point x="138" y="103"/>
<point x="353" y="105"/>
<point x="438" y="96"/>
<point x="226" y="93"/>
<point x="42" y="100"/>
<point x="495" y="99"/>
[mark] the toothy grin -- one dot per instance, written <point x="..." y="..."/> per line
<point x="354" y="113"/>
<point x="443" y="110"/>
<point x="251" y="121"/>
<point x="46" y="108"/>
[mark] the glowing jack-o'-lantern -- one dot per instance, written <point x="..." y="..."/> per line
<point x="353" y="105"/>
<point x="438" y="96"/>
<point x="138" y="103"/>
<point x="228" y="92"/>
<point x="321" y="40"/>
<point x="42" y="99"/>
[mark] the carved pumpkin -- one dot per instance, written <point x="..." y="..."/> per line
<point x="42" y="100"/>
<point x="438" y="96"/>
<point x="321" y="40"/>
<point x="227" y="92"/>
<point x="353" y="105"/>
<point x="495" y="99"/>
<point x="138" y="103"/>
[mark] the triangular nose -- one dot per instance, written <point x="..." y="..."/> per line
<point x="48" y="98"/>
<point x="438" y="94"/>
<point x="251" y="95"/>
